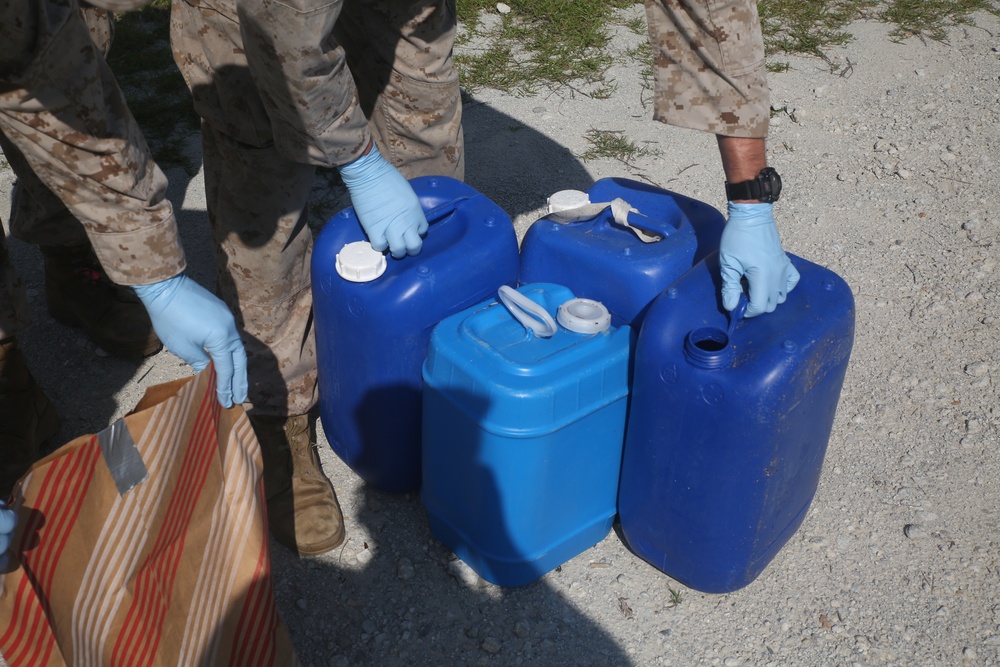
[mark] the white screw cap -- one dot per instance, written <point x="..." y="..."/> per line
<point x="360" y="263"/>
<point x="566" y="200"/>
<point x="584" y="316"/>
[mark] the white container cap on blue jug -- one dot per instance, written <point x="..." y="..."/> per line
<point x="584" y="316"/>
<point x="360" y="263"/>
<point x="567" y="200"/>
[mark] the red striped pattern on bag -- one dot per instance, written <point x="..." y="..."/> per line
<point x="142" y="630"/>
<point x="186" y="548"/>
<point x="29" y="640"/>
<point x="258" y="619"/>
<point x="127" y="528"/>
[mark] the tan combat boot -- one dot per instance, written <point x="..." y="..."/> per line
<point x="302" y="509"/>
<point x="80" y="294"/>
<point x="27" y="418"/>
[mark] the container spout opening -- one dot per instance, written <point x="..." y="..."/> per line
<point x="708" y="347"/>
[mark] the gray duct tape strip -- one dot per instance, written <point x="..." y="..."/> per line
<point x="122" y="458"/>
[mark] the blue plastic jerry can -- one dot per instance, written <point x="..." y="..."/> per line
<point x="728" y="428"/>
<point x="524" y="423"/>
<point x="622" y="258"/>
<point x="374" y="315"/>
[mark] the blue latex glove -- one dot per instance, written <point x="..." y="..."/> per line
<point x="386" y="204"/>
<point x="8" y="520"/>
<point x="750" y="247"/>
<point x="197" y="326"/>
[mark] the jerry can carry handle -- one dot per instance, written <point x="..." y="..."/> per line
<point x="533" y="316"/>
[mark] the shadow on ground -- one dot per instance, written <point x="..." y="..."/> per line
<point x="515" y="165"/>
<point x="405" y="606"/>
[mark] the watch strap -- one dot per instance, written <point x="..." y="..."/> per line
<point x="744" y="190"/>
<point x="766" y="187"/>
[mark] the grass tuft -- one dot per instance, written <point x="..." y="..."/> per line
<point x="808" y="26"/>
<point x="931" y="18"/>
<point x="615" y="145"/>
<point x="558" y="41"/>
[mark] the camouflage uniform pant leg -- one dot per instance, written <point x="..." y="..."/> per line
<point x="62" y="108"/>
<point x="268" y="72"/>
<point x="36" y="214"/>
<point x="207" y="43"/>
<point x="14" y="313"/>
<point x="255" y="199"/>
<point x="400" y="54"/>
<point x="709" y="66"/>
<point x="256" y="192"/>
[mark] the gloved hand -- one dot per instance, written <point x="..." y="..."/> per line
<point x="386" y="204"/>
<point x="8" y="520"/>
<point x="197" y="326"/>
<point x="750" y="247"/>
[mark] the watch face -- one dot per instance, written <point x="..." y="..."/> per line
<point x="770" y="183"/>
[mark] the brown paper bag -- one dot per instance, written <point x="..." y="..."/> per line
<point x="146" y="544"/>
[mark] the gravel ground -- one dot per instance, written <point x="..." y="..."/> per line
<point x="889" y="163"/>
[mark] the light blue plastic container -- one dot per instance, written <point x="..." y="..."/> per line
<point x="522" y="436"/>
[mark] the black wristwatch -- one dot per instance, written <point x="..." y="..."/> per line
<point x="766" y="187"/>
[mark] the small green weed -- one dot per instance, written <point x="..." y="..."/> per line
<point x="615" y="145"/>
<point x="676" y="597"/>
<point x="637" y="25"/>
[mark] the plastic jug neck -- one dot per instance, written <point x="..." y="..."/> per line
<point x="708" y="347"/>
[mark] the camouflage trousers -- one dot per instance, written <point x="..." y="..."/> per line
<point x="709" y="66"/>
<point x="83" y="168"/>
<point x="276" y="100"/>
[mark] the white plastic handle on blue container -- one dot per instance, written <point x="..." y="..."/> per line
<point x="532" y="315"/>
